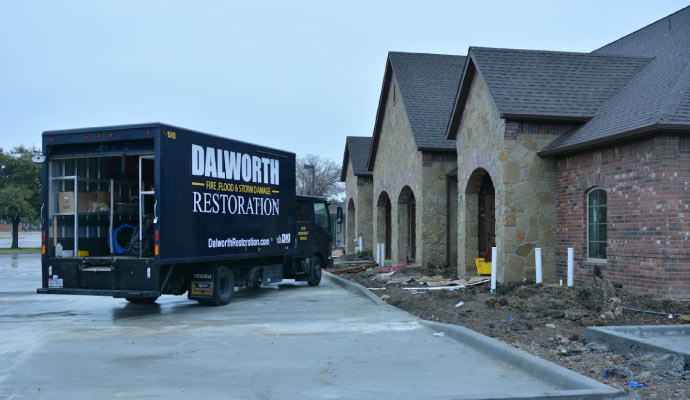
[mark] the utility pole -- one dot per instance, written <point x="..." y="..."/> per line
<point x="311" y="167"/>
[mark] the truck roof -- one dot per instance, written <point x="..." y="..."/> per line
<point x="306" y="196"/>
<point x="144" y="126"/>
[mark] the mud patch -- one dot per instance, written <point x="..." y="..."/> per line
<point x="548" y="321"/>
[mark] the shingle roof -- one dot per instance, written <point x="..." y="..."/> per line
<point x="427" y="84"/>
<point x="550" y="83"/>
<point x="657" y="97"/>
<point x="357" y="150"/>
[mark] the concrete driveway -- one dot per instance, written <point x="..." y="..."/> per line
<point x="291" y="342"/>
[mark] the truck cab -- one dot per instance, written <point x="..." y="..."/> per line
<point x="313" y="239"/>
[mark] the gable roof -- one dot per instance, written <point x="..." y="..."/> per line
<point x="658" y="98"/>
<point x="357" y="150"/>
<point x="427" y="84"/>
<point x="532" y="84"/>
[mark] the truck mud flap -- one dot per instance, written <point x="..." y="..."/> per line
<point x="201" y="286"/>
<point x="100" y="292"/>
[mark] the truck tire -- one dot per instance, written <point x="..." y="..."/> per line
<point x="223" y="287"/>
<point x="141" y="300"/>
<point x="315" y="274"/>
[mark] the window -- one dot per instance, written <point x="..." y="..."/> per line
<point x="596" y="224"/>
<point x="321" y="215"/>
<point x="302" y="211"/>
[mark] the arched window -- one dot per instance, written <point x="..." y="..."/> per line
<point x="596" y="224"/>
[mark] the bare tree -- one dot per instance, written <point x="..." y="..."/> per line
<point x="326" y="177"/>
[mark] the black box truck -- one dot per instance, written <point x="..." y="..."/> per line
<point x="137" y="211"/>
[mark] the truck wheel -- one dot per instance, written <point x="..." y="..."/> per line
<point x="315" y="275"/>
<point x="141" y="300"/>
<point x="223" y="287"/>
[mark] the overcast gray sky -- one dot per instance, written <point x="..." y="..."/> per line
<point x="294" y="75"/>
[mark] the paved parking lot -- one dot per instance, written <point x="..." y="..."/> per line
<point x="29" y="239"/>
<point x="292" y="342"/>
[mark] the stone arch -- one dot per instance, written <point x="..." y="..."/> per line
<point x="350" y="233"/>
<point x="480" y="217"/>
<point x="407" y="225"/>
<point x="384" y="222"/>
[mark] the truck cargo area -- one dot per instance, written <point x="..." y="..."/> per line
<point x="101" y="206"/>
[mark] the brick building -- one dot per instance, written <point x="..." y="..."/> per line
<point x="550" y="150"/>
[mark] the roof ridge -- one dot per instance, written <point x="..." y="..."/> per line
<point x="560" y="52"/>
<point x="643" y="28"/>
<point x="424" y="53"/>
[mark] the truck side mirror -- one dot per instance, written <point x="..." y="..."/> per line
<point x="339" y="215"/>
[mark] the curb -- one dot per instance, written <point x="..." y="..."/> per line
<point x="576" y="386"/>
<point x="353" y="287"/>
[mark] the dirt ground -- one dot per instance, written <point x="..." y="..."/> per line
<point x="546" y="320"/>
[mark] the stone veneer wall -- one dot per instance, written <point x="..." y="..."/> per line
<point x="398" y="164"/>
<point x="524" y="187"/>
<point x="359" y="189"/>
<point x="648" y="236"/>
<point x="431" y="210"/>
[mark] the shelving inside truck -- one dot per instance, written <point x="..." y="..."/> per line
<point x="107" y="200"/>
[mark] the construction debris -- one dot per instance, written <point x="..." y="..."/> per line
<point x="350" y="266"/>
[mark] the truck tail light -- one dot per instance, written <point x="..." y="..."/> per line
<point x="155" y="238"/>
<point x="43" y="243"/>
<point x="43" y="249"/>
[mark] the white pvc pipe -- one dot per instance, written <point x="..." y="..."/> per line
<point x="537" y="259"/>
<point x="493" y="269"/>
<point x="379" y="259"/>
<point x="571" y="262"/>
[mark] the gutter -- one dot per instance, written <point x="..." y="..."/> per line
<point x="633" y="134"/>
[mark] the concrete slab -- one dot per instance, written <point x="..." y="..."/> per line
<point x="659" y="338"/>
<point x="291" y="342"/>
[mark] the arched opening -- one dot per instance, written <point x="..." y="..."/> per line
<point x="407" y="225"/>
<point x="350" y="228"/>
<point x="480" y="217"/>
<point x="452" y="219"/>
<point x="383" y="222"/>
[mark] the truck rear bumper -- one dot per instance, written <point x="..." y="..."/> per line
<point x="100" y="292"/>
<point x="117" y="277"/>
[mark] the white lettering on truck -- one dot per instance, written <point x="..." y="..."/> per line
<point x="224" y="164"/>
<point x="216" y="203"/>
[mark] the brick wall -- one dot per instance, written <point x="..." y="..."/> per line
<point x="648" y="247"/>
